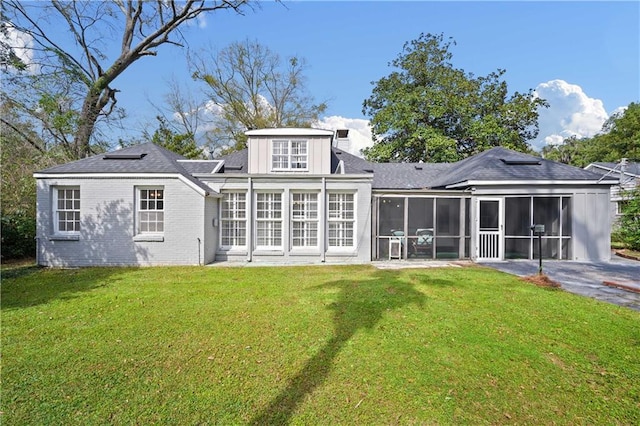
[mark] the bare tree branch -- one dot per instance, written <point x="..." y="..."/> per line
<point x="23" y="135"/>
<point x="144" y="26"/>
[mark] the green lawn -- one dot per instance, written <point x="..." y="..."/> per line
<point x="310" y="345"/>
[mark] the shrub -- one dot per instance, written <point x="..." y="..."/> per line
<point x="629" y="228"/>
<point x="18" y="235"/>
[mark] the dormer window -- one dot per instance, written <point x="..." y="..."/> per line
<point x="289" y="155"/>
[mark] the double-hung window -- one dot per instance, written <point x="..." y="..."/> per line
<point x="234" y="219"/>
<point x="269" y="220"/>
<point x="304" y="219"/>
<point x="67" y="210"/>
<point x="341" y="219"/>
<point x="150" y="210"/>
<point x="289" y="155"/>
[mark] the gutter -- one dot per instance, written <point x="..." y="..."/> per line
<point x="530" y="182"/>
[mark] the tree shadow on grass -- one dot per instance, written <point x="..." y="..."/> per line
<point x="359" y="304"/>
<point x="32" y="285"/>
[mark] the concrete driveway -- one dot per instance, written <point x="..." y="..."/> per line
<point x="587" y="279"/>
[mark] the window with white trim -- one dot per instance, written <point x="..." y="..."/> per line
<point x="233" y="219"/>
<point x="304" y="219"/>
<point x="150" y="210"/>
<point x="289" y="155"/>
<point x="66" y="210"/>
<point x="341" y="219"/>
<point x="268" y="220"/>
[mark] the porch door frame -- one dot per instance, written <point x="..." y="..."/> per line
<point x="490" y="240"/>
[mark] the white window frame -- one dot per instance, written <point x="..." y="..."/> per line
<point x="289" y="155"/>
<point x="70" y="206"/>
<point x="341" y="219"/>
<point x="268" y="218"/>
<point x="305" y="216"/>
<point x="150" y="210"/>
<point x="236" y="216"/>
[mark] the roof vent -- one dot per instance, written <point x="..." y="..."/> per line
<point x="116" y="156"/>
<point x="418" y="167"/>
<point x="520" y="162"/>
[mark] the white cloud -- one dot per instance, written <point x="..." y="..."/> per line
<point x="618" y="111"/>
<point x="21" y="44"/>
<point x="571" y="113"/>
<point x="359" y="131"/>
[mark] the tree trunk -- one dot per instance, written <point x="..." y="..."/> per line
<point x="89" y="116"/>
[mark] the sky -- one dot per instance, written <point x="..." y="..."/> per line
<point x="583" y="57"/>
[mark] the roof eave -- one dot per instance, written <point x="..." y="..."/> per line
<point x="530" y="182"/>
<point x="200" y="190"/>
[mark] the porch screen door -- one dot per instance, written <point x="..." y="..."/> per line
<point x="490" y="227"/>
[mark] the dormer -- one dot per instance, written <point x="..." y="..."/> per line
<point x="290" y="151"/>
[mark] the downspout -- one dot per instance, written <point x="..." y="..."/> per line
<point x="37" y="250"/>
<point x="249" y="208"/>
<point x="199" y="242"/>
<point x="463" y="230"/>
<point x="323" y="221"/>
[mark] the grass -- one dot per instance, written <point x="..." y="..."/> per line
<point x="310" y="345"/>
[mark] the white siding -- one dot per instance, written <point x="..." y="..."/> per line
<point x="108" y="225"/>
<point x="318" y="150"/>
<point x="591" y="230"/>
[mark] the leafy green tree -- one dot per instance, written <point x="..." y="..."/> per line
<point x="251" y="87"/>
<point x="619" y="138"/>
<point x="183" y="144"/>
<point x="73" y="41"/>
<point x="570" y="151"/>
<point x="629" y="225"/>
<point x="22" y="152"/>
<point x="427" y="110"/>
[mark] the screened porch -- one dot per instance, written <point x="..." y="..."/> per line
<point x="440" y="227"/>
<point x="421" y="227"/>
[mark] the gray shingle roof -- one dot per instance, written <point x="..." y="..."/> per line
<point x="155" y="159"/>
<point x="199" y="166"/>
<point x="146" y="158"/>
<point x="236" y="162"/>
<point x="352" y="164"/>
<point x="494" y="165"/>
<point x="501" y="164"/>
<point x="407" y="175"/>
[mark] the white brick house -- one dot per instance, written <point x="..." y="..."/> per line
<point x="293" y="196"/>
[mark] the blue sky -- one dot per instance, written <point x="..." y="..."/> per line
<point x="584" y="57"/>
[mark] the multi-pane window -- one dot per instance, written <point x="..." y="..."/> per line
<point x="151" y="211"/>
<point x="234" y="219"/>
<point x="67" y="210"/>
<point x="341" y="219"/>
<point x="268" y="220"/>
<point x="304" y="219"/>
<point x="289" y="155"/>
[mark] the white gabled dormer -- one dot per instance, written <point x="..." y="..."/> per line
<point x="290" y="150"/>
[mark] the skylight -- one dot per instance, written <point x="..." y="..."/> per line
<point x="520" y="161"/>
<point x="116" y="156"/>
